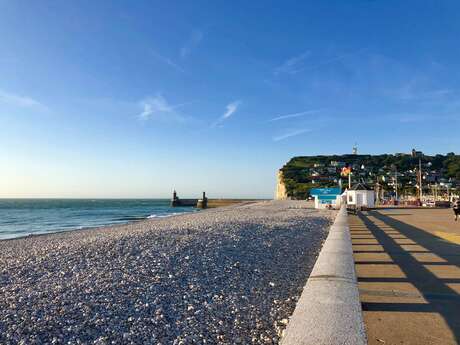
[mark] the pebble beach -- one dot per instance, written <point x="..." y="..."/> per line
<point x="230" y="275"/>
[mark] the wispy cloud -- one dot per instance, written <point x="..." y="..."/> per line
<point x="158" y="107"/>
<point x="297" y="64"/>
<point x="167" y="61"/>
<point x="194" y="40"/>
<point x="292" y="65"/>
<point x="289" y="116"/>
<point x="423" y="118"/>
<point x="334" y="59"/>
<point x="231" y="108"/>
<point x="291" y="134"/>
<point x="20" y="101"/>
<point x="412" y="91"/>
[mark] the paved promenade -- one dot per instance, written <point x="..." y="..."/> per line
<point x="408" y="268"/>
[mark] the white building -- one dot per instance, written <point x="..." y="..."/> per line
<point x="361" y="195"/>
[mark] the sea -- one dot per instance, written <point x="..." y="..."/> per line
<point x="23" y="217"/>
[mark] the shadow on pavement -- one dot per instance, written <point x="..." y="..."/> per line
<point x="431" y="279"/>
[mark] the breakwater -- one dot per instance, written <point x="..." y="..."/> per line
<point x="205" y="202"/>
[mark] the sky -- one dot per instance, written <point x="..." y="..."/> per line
<point x="118" y="99"/>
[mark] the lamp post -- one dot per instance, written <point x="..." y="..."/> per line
<point x="396" y="184"/>
<point x="420" y="178"/>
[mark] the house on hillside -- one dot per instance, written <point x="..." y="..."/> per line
<point x="415" y="153"/>
<point x="338" y="164"/>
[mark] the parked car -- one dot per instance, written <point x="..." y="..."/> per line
<point x="429" y="203"/>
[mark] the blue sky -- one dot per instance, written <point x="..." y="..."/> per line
<point x="133" y="99"/>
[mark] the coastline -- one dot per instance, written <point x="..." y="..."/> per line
<point x="213" y="203"/>
<point x="225" y="275"/>
<point x="97" y="227"/>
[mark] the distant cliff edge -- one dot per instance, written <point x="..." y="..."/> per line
<point x="281" y="192"/>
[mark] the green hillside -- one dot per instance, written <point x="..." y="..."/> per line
<point x="305" y="172"/>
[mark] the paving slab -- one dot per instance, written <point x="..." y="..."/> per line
<point x="409" y="281"/>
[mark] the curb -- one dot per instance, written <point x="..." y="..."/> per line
<point x="329" y="311"/>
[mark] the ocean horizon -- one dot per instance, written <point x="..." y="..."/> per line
<point x="21" y="217"/>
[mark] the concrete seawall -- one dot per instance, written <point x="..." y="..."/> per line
<point x="329" y="311"/>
